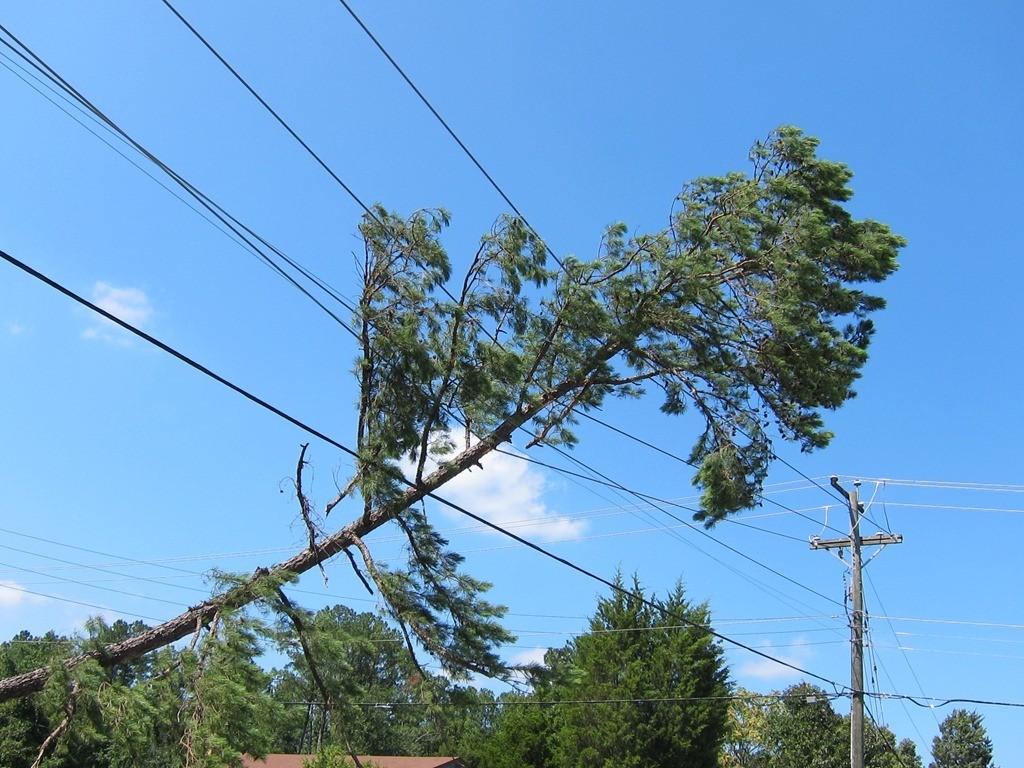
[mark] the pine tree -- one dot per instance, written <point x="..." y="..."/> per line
<point x="643" y="687"/>
<point x="962" y="742"/>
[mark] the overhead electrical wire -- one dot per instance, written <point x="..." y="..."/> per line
<point x="876" y="663"/>
<point x="369" y="212"/>
<point x="520" y="702"/>
<point x="967" y="638"/>
<point x="524" y="633"/>
<point x="98" y="569"/>
<point x="866" y="507"/>
<point x="943" y="652"/>
<point x="461" y="144"/>
<point x="891" y="748"/>
<point x="938" y="702"/>
<point x="690" y="464"/>
<point x="672" y="531"/>
<point x="161" y="562"/>
<point x="935" y="703"/>
<point x="654" y="502"/>
<point x="449" y="129"/>
<point x="78" y="602"/>
<point x="950" y="485"/>
<point x="184" y="573"/>
<point x="954" y="508"/>
<point x="49" y="92"/>
<point x="657" y="502"/>
<point x="66" y="580"/>
<point x="906" y="659"/>
<point x="270" y="109"/>
<point x="888" y="676"/>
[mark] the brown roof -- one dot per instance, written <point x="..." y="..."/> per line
<point x="379" y="761"/>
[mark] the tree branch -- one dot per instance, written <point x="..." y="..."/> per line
<point x="289" y="610"/>
<point x="69" y="712"/>
<point x="305" y="508"/>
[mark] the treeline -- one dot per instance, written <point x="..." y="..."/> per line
<point x="641" y="688"/>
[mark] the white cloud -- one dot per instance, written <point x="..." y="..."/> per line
<point x="15" y="329"/>
<point x="529" y="656"/>
<point x="507" y="491"/>
<point x="796" y="654"/>
<point x="128" y="304"/>
<point x="13" y="595"/>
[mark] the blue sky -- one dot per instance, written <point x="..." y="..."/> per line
<point x="586" y="114"/>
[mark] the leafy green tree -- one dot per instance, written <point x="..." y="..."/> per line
<point x="380" y="702"/>
<point x="643" y="687"/>
<point x="745" y="745"/>
<point x="199" y="706"/>
<point x="882" y="751"/>
<point x="366" y="670"/>
<point x="804" y="731"/>
<point x="962" y="742"/>
<point x="799" y="727"/>
<point x="520" y="736"/>
<point x="750" y="309"/>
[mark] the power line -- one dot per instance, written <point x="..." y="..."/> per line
<point x="892" y="629"/>
<point x="369" y="212"/>
<point x="523" y="633"/>
<point x="52" y="94"/>
<point x="977" y="654"/>
<point x="448" y="128"/>
<point x="891" y="748"/>
<point x="877" y="662"/>
<point x="162" y="562"/>
<point x="270" y="109"/>
<point x="654" y="501"/>
<point x="602" y="479"/>
<point x="105" y="589"/>
<point x="690" y="464"/>
<point x="957" y="622"/>
<point x="930" y="702"/>
<point x="25" y="569"/>
<point x="292" y="132"/>
<point x="951" y="485"/>
<point x="184" y="573"/>
<point x="919" y="701"/>
<point x="231" y="222"/>
<point x="954" y="508"/>
<point x="586" y="702"/>
<point x="4" y="585"/>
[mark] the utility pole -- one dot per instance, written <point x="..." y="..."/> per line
<point x="854" y="542"/>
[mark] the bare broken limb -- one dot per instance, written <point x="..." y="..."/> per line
<point x="305" y="508"/>
<point x="70" y="707"/>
